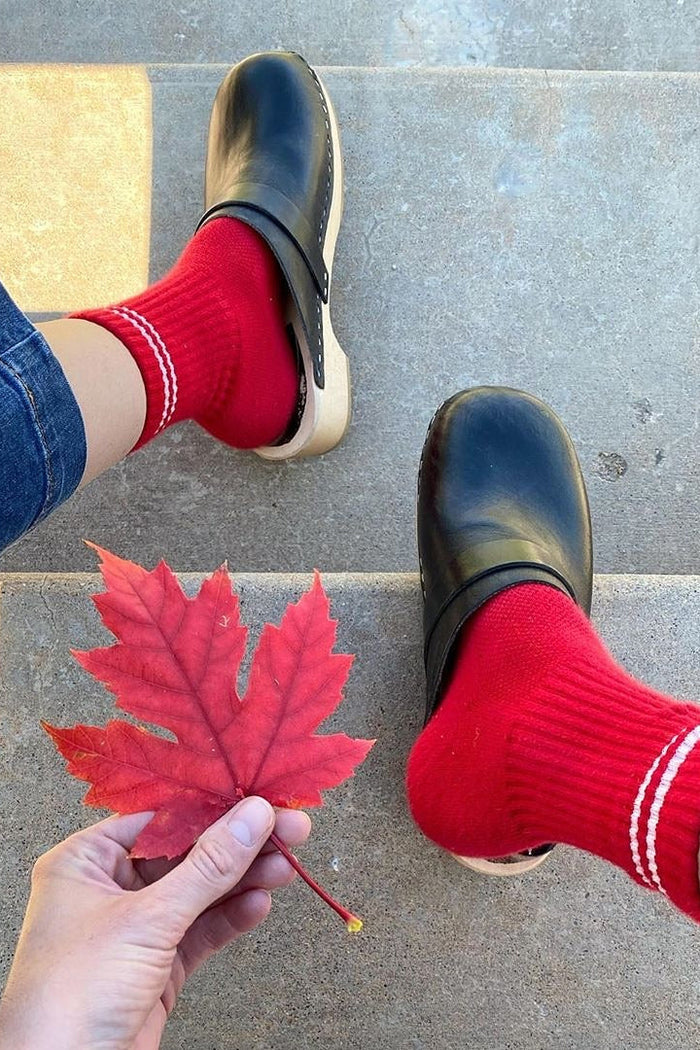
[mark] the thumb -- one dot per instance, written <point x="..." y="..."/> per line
<point x="216" y="862"/>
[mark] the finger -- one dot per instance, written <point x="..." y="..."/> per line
<point x="269" y="872"/>
<point x="221" y="925"/>
<point x="105" y="847"/>
<point x="214" y="865"/>
<point x="122" y="830"/>
<point x="115" y="837"/>
<point x="293" y="826"/>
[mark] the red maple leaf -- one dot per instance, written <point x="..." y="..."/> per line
<point x="175" y="664"/>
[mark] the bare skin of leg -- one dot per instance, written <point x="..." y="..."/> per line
<point x="107" y="385"/>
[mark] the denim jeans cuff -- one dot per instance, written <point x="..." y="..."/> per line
<point x="42" y="437"/>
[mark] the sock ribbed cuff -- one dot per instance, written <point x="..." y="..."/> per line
<point x="177" y="385"/>
<point x="210" y="339"/>
<point x="601" y="762"/>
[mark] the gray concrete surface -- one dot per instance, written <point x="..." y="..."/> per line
<point x="533" y="229"/>
<point x="649" y="34"/>
<point x="575" y="956"/>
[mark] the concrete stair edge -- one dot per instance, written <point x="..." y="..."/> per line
<point x="601" y="580"/>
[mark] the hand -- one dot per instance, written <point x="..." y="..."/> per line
<point x="107" y="942"/>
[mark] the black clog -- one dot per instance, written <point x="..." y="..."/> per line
<point x="274" y="162"/>
<point x="501" y="501"/>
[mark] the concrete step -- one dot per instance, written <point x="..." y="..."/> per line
<point x="533" y="229"/>
<point x="571" y="35"/>
<point x="573" y="957"/>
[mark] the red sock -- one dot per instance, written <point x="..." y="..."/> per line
<point x="542" y="737"/>
<point x="209" y="339"/>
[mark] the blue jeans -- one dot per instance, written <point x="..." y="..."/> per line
<point x="42" y="437"/>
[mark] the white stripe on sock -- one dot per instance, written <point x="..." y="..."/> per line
<point x="157" y="354"/>
<point x="637" y="809"/>
<point x="171" y="368"/>
<point x="681" y="753"/>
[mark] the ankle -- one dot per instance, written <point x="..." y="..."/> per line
<point x="210" y="339"/>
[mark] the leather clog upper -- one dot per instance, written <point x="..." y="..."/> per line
<point x="270" y="164"/>
<point x="501" y="501"/>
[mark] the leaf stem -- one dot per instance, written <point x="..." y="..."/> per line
<point x="352" y="922"/>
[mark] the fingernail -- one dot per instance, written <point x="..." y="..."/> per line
<point x="250" y="820"/>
